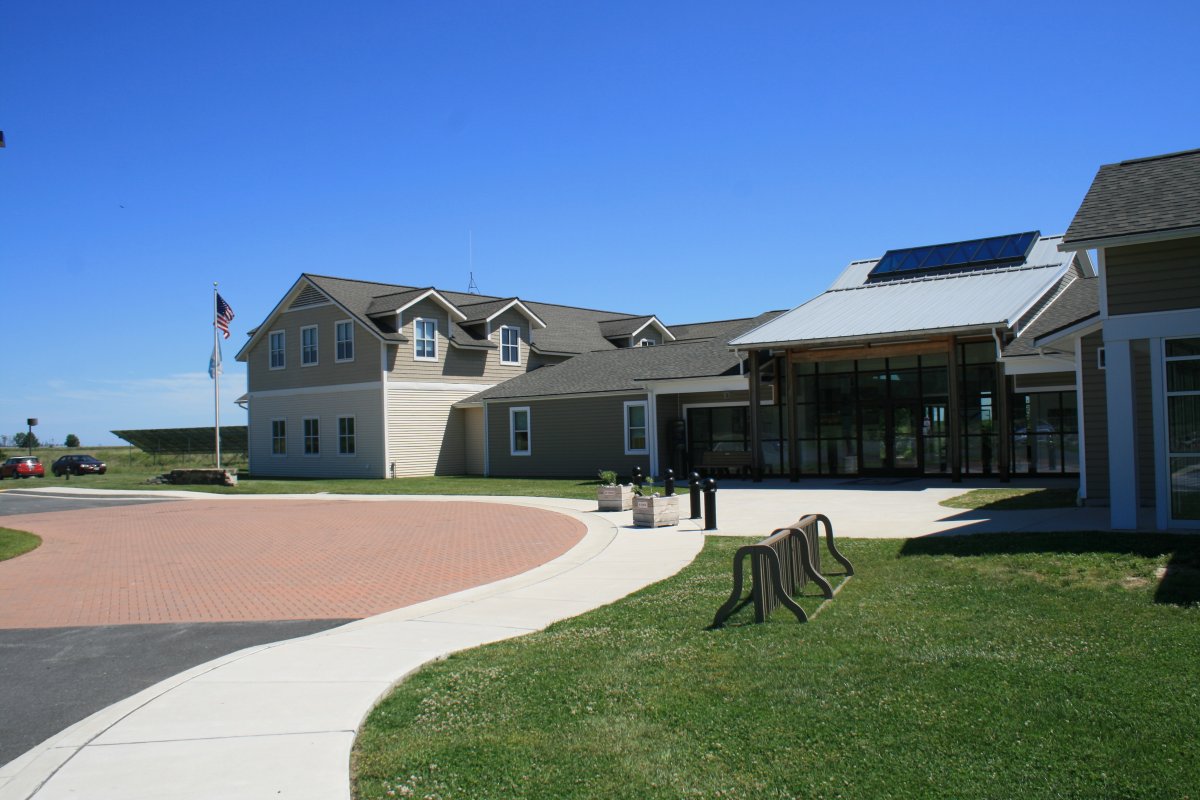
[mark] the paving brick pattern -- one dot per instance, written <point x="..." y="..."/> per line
<point x="212" y="561"/>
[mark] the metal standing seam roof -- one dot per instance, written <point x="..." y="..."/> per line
<point x="938" y="302"/>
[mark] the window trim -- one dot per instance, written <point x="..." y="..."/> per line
<point x="283" y="439"/>
<point x="282" y="350"/>
<point x="417" y="339"/>
<point x="1101" y="363"/>
<point x="353" y="436"/>
<point x="316" y="349"/>
<point x="646" y="427"/>
<point x="517" y="345"/>
<point x="305" y="436"/>
<point x="512" y="431"/>
<point x="337" y="342"/>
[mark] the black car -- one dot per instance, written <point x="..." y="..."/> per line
<point x="78" y="465"/>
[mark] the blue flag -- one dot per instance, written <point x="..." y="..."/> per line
<point x="214" y="362"/>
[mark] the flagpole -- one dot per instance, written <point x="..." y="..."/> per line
<point x="216" y="381"/>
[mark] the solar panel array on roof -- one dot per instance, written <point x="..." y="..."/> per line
<point x="955" y="256"/>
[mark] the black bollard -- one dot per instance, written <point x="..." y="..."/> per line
<point x="637" y="477"/>
<point x="710" y="504"/>
<point x="669" y="483"/>
<point x="694" y="486"/>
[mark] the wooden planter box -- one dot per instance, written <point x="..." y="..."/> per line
<point x="614" y="498"/>
<point x="655" y="512"/>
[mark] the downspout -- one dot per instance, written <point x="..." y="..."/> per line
<point x="487" y="456"/>
<point x="652" y="412"/>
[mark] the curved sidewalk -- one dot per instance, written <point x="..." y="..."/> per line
<point x="280" y="720"/>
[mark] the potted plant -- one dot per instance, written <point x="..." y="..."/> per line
<point x="610" y="495"/>
<point x="651" y="510"/>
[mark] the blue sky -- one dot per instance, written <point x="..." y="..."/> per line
<point x="696" y="160"/>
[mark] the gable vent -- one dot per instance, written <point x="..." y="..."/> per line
<point x="311" y="296"/>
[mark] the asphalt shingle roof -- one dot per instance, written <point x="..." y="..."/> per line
<point x="1144" y="195"/>
<point x="621" y="370"/>
<point x="1078" y="301"/>
<point x="623" y="327"/>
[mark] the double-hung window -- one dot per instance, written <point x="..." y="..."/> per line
<point x="308" y="346"/>
<point x="636" y="428"/>
<point x="312" y="437"/>
<point x="346" y="436"/>
<point x="278" y="437"/>
<point x="344" y="334"/>
<point x="425" y="339"/>
<point x="278" y="345"/>
<point x="518" y="423"/>
<point x="510" y="345"/>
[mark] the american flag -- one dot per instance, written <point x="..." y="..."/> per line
<point x="224" y="315"/>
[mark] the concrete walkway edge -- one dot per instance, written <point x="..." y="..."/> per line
<point x="280" y="720"/>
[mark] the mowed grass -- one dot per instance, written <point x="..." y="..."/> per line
<point x="16" y="543"/>
<point x="130" y="469"/>
<point x="1013" y="499"/>
<point x="1040" y="666"/>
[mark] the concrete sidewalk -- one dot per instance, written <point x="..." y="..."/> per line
<point x="280" y="720"/>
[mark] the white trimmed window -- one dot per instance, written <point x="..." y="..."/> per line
<point x="344" y="334"/>
<point x="647" y="343"/>
<point x="278" y="437"/>
<point x="312" y="437"/>
<point x="518" y="425"/>
<point x="425" y="339"/>
<point x="346" y="436"/>
<point x="308" y="346"/>
<point x="636" y="428"/>
<point x="510" y="345"/>
<point x="278" y="347"/>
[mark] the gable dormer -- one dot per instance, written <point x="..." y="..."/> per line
<point x="636" y="331"/>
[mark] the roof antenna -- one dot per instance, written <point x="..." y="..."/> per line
<point x="472" y="288"/>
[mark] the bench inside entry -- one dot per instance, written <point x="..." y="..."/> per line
<point x="780" y="566"/>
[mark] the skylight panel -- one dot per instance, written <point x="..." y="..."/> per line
<point x="993" y="251"/>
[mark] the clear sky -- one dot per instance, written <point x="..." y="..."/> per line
<point x="695" y="160"/>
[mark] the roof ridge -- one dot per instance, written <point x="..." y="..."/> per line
<point x="1161" y="157"/>
<point x="944" y="277"/>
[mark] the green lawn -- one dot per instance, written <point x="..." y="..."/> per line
<point x="1012" y="499"/>
<point x="15" y="543"/>
<point x="1040" y="666"/>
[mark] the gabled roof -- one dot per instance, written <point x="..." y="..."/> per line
<point x="629" y="327"/>
<point x="625" y="369"/>
<point x="401" y="301"/>
<point x="1156" y="195"/>
<point x="479" y="313"/>
<point x="1079" y="300"/>
<point x="927" y="304"/>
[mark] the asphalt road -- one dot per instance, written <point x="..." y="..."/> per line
<point x="14" y="502"/>
<point x="51" y="678"/>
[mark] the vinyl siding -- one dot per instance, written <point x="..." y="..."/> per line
<point x="473" y="442"/>
<point x="327" y="371"/>
<point x="425" y="435"/>
<point x="569" y="438"/>
<point x="363" y="405"/>
<point x="1159" y="276"/>
<point x="1095" y="420"/>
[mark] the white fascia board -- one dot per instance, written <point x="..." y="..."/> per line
<point x="279" y="309"/>
<point x="720" y="383"/>
<point x="1132" y="238"/>
<point x="438" y="386"/>
<point x="1152" y="325"/>
<point x="1079" y="329"/>
<point x="437" y="296"/>
<point x="524" y="309"/>
<point x="653" y="321"/>
<point x="871" y="339"/>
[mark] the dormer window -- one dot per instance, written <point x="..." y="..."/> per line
<point x="510" y="345"/>
<point x="646" y="343"/>
<point x="425" y="339"/>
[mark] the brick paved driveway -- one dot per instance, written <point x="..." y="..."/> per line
<point x="238" y="560"/>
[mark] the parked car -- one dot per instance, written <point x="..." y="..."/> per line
<point x="78" y="465"/>
<point x="22" y="467"/>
